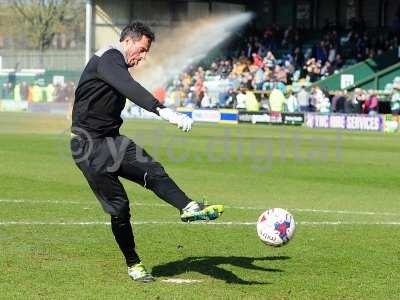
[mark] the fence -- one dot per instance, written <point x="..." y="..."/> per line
<point x="67" y="60"/>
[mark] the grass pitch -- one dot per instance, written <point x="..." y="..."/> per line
<point x="342" y="188"/>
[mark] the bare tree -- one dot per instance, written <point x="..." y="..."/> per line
<point x="41" y="20"/>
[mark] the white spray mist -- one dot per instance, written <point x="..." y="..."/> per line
<point x="175" y="51"/>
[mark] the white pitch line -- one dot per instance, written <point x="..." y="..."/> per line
<point x="40" y="201"/>
<point x="334" y="223"/>
<point x="51" y="223"/>
<point x="108" y="223"/>
<point x="346" y="223"/>
<point x="181" y="281"/>
<point x="350" y="212"/>
<point x="73" y="202"/>
<point x="346" y="212"/>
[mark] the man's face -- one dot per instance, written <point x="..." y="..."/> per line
<point x="136" y="50"/>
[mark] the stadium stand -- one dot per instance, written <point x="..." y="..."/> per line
<point x="284" y="60"/>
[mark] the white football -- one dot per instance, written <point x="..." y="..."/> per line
<point x="275" y="227"/>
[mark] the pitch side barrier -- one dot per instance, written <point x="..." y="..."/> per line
<point x="10" y="105"/>
<point x="234" y="116"/>
<point x="354" y="122"/>
<point x="224" y="116"/>
<point x="358" y="122"/>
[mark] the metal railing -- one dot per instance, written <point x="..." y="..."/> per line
<point x="375" y="78"/>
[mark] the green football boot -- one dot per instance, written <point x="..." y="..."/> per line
<point x="195" y="211"/>
<point x="139" y="273"/>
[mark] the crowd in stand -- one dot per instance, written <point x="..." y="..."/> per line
<point x="273" y="70"/>
<point x="38" y="92"/>
<point x="279" y="68"/>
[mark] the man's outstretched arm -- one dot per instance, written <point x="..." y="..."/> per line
<point x="112" y="69"/>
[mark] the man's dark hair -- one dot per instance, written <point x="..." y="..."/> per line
<point x="136" y="30"/>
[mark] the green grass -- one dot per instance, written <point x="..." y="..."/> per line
<point x="267" y="166"/>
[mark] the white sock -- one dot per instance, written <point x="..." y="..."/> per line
<point x="192" y="206"/>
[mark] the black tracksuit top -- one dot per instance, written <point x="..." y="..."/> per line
<point x="101" y="94"/>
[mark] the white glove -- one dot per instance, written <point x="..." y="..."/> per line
<point x="182" y="120"/>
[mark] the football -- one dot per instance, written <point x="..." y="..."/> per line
<point x="275" y="227"/>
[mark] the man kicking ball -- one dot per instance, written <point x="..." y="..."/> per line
<point x="103" y="155"/>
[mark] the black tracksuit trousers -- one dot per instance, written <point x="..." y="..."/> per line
<point x="102" y="161"/>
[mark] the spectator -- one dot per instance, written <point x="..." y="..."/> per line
<point x="370" y="105"/>
<point x="160" y="94"/>
<point x="188" y="101"/>
<point x="251" y="101"/>
<point x="24" y="90"/>
<point x="350" y="105"/>
<point x="231" y="99"/>
<point x="326" y="70"/>
<point x="321" y="54"/>
<point x="258" y="80"/>
<point x="206" y="101"/>
<point x="395" y="101"/>
<point x="12" y="79"/>
<point x="338" y="102"/>
<point x="323" y="105"/>
<point x="17" y="92"/>
<point x="303" y="98"/>
<point x="338" y="63"/>
<point x="60" y="92"/>
<point x="269" y="59"/>
<point x="50" y="90"/>
<point x="280" y="74"/>
<point x="358" y="99"/>
<point x="257" y="60"/>
<point x="224" y="69"/>
<point x="276" y="100"/>
<point x="292" y="105"/>
<point x="241" y="99"/>
<point x="313" y="69"/>
<point x="318" y="100"/>
<point x="6" y="91"/>
<point x="37" y="94"/>
<point x="298" y="58"/>
<point x="30" y="94"/>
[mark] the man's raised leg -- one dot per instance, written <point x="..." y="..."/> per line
<point x="140" y="167"/>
